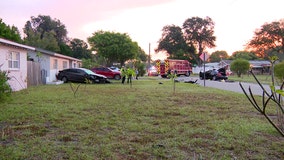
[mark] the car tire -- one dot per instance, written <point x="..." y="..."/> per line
<point x="117" y="77"/>
<point x="64" y="79"/>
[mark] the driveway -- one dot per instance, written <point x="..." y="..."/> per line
<point x="229" y="86"/>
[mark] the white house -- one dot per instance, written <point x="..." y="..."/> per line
<point x="13" y="59"/>
<point x="51" y="63"/>
<point x="208" y="66"/>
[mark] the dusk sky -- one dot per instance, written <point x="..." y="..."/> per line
<point x="235" y="20"/>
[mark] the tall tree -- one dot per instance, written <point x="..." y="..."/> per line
<point x="114" y="47"/>
<point x="80" y="49"/>
<point x="243" y="55"/>
<point x="66" y="49"/>
<point x="269" y="38"/>
<point x="173" y="42"/>
<point x="10" y="33"/>
<point x="200" y="32"/>
<point x="217" y="56"/>
<point x="46" y="41"/>
<point x="41" y="28"/>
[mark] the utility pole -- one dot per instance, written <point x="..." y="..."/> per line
<point x="149" y="57"/>
<point x="203" y="57"/>
<point x="204" y="69"/>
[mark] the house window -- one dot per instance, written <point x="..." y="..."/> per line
<point x="55" y="64"/>
<point x="14" y="60"/>
<point x="65" y="65"/>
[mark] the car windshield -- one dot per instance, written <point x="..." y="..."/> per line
<point x="114" y="68"/>
<point x="88" y="71"/>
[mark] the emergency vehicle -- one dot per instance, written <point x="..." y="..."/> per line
<point x="170" y="66"/>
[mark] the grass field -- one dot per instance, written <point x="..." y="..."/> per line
<point x="264" y="79"/>
<point x="146" y="121"/>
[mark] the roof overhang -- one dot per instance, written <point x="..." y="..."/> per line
<point x="7" y="42"/>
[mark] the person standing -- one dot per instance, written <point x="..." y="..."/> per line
<point x="130" y="72"/>
<point x="123" y="74"/>
<point x="136" y="74"/>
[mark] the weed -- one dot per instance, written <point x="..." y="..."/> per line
<point x="5" y="89"/>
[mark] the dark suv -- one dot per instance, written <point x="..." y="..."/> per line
<point x="111" y="74"/>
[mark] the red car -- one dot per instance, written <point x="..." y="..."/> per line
<point x="111" y="74"/>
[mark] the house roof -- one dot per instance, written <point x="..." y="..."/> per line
<point x="7" y="42"/>
<point x="213" y="64"/>
<point x="225" y="61"/>
<point x="15" y="44"/>
<point x="56" y="54"/>
<point x="255" y="63"/>
<point x="260" y="63"/>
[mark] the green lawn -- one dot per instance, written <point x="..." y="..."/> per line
<point x="145" y="121"/>
<point x="265" y="79"/>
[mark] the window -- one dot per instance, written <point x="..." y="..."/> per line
<point x="55" y="64"/>
<point x="14" y="60"/>
<point x="65" y="64"/>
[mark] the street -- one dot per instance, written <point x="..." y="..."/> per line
<point x="229" y="86"/>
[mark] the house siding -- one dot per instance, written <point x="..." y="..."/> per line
<point x="45" y="58"/>
<point x="47" y="61"/>
<point x="55" y="68"/>
<point x="18" y="77"/>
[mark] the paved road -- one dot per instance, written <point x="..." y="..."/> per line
<point x="230" y="86"/>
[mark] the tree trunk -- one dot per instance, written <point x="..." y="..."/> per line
<point x="239" y="74"/>
<point x="200" y="48"/>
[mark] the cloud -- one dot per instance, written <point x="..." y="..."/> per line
<point x="143" y="20"/>
<point x="74" y="14"/>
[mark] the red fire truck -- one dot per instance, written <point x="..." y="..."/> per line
<point x="179" y="67"/>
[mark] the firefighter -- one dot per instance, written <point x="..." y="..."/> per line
<point x="130" y="73"/>
<point x="123" y="74"/>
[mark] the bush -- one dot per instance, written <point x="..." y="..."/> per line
<point x="141" y="68"/>
<point x="88" y="63"/>
<point x="240" y="66"/>
<point x="279" y="71"/>
<point x="5" y="89"/>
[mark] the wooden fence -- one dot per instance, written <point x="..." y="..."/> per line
<point x="34" y="74"/>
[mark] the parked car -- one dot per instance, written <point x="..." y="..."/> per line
<point x="107" y="72"/>
<point x="80" y="75"/>
<point x="214" y="74"/>
<point x="114" y="69"/>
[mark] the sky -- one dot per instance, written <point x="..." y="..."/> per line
<point x="143" y="20"/>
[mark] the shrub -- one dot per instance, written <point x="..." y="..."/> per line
<point x="279" y="71"/>
<point x="88" y="63"/>
<point x="276" y="96"/>
<point x="240" y="66"/>
<point x="5" y="89"/>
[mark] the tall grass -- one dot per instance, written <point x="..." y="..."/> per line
<point x="145" y="121"/>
